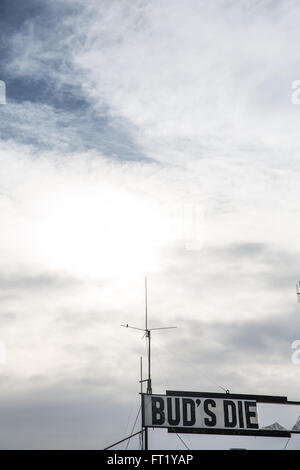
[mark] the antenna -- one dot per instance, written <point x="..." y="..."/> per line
<point x="147" y="332"/>
<point x="298" y="290"/>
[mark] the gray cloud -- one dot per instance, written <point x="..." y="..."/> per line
<point x="94" y="99"/>
<point x="35" y="281"/>
<point x="44" y="422"/>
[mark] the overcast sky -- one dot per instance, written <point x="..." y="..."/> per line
<point x="156" y="138"/>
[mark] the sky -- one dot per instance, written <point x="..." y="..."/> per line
<point x="145" y="138"/>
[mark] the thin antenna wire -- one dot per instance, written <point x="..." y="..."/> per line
<point x="226" y="390"/>
<point x="128" y="441"/>
<point x="287" y="443"/>
<point x="185" y="445"/>
<point x="122" y="440"/>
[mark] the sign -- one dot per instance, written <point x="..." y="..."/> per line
<point x="208" y="413"/>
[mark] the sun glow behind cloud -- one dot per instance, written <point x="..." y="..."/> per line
<point x="100" y="231"/>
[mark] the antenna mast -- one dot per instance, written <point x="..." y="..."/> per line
<point x="148" y="337"/>
<point x="147" y="334"/>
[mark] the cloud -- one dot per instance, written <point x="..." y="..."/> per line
<point x="128" y="130"/>
<point x="168" y="70"/>
<point x="56" y="127"/>
<point x="49" y="421"/>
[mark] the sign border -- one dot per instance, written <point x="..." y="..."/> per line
<point x="231" y="432"/>
<point x="272" y="399"/>
<point x="233" y="396"/>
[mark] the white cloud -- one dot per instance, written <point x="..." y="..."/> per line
<point x="193" y="71"/>
<point x="204" y="91"/>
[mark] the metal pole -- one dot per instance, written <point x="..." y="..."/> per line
<point x="146" y="305"/>
<point x="141" y="370"/>
<point x="146" y="438"/>
<point x="148" y="336"/>
<point x="147" y="331"/>
<point x="149" y="385"/>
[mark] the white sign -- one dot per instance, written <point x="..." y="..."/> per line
<point x="200" y="413"/>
